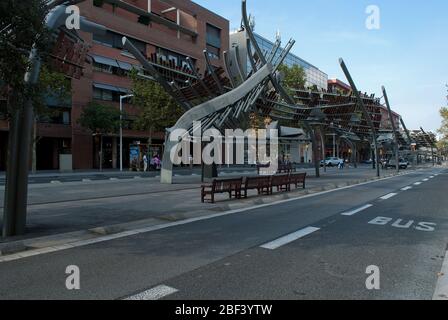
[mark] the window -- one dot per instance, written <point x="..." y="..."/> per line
<point x="213" y="52"/>
<point x="213" y="36"/>
<point x="102" y="94"/>
<point x="114" y="40"/>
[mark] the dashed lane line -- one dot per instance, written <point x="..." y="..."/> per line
<point x="156" y="293"/>
<point x="289" y="238"/>
<point x="388" y="196"/>
<point x="406" y="188"/>
<point x="353" y="212"/>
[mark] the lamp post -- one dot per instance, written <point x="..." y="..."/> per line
<point x="128" y="96"/>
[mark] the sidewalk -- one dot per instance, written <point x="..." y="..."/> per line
<point x="63" y="212"/>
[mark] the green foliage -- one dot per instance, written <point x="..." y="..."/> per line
<point x="100" y="119"/>
<point x="294" y="77"/>
<point x="22" y="24"/>
<point x="443" y="142"/>
<point x="157" y="109"/>
<point x="444" y="128"/>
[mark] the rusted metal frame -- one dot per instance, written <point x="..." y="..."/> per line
<point x="127" y="44"/>
<point x="195" y="72"/>
<point x="179" y="91"/>
<point x="212" y="72"/>
<point x="195" y="92"/>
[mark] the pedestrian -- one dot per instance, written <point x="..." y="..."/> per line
<point x="145" y="163"/>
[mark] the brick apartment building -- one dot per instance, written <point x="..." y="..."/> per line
<point x="166" y="32"/>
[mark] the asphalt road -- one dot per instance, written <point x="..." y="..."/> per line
<point x="222" y="257"/>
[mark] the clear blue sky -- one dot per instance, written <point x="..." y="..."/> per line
<point x="408" y="54"/>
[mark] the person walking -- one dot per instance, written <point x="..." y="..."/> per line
<point x="145" y="163"/>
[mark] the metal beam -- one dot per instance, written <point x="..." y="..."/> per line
<point x="397" y="157"/>
<point x="364" y="110"/>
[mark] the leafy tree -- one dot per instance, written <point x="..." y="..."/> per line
<point x="22" y="24"/>
<point x="100" y="120"/>
<point x="443" y="142"/>
<point x="294" y="77"/>
<point x="158" y="110"/>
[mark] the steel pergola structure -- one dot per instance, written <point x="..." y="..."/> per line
<point x="222" y="98"/>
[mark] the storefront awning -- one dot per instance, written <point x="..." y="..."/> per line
<point x="110" y="87"/>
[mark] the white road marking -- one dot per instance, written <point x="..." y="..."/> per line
<point x="388" y="196"/>
<point x="441" y="292"/>
<point x="289" y="238"/>
<point x="156" y="293"/>
<point x="56" y="182"/>
<point x="406" y="188"/>
<point x="350" y="213"/>
<point x="113" y="179"/>
<point x="86" y="180"/>
<point x="417" y="183"/>
<point x="82" y="243"/>
<point x="425" y="180"/>
<point x="431" y="177"/>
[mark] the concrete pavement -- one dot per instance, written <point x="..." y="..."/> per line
<point x="79" y="206"/>
<point x="221" y="257"/>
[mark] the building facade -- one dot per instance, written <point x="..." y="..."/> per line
<point x="314" y="76"/>
<point x="166" y="32"/>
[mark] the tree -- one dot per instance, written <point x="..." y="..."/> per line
<point x="22" y="25"/>
<point x="158" y="110"/>
<point x="52" y="84"/>
<point x="100" y="120"/>
<point x="293" y="77"/>
<point x="443" y="142"/>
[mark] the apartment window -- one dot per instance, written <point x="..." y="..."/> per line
<point x="102" y="94"/>
<point x="213" y="52"/>
<point x="213" y="36"/>
<point x="114" y="40"/>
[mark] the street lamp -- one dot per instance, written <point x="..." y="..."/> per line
<point x="121" y="127"/>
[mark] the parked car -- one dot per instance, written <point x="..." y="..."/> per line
<point x="403" y="164"/>
<point x="331" y="162"/>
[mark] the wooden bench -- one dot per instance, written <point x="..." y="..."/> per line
<point x="262" y="184"/>
<point x="281" y="182"/>
<point x="296" y="178"/>
<point x="286" y="168"/>
<point x="230" y="186"/>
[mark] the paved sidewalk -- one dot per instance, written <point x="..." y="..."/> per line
<point x="61" y="208"/>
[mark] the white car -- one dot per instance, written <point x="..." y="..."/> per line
<point x="332" y="162"/>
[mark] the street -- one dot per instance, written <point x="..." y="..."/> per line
<point x="318" y="246"/>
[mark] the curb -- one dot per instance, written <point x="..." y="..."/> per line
<point x="14" y="247"/>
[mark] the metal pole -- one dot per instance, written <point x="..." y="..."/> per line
<point x="366" y="113"/>
<point x="16" y="191"/>
<point x="121" y="133"/>
<point x="121" y="127"/>
<point x="397" y="157"/>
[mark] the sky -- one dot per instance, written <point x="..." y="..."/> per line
<point x="408" y="54"/>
